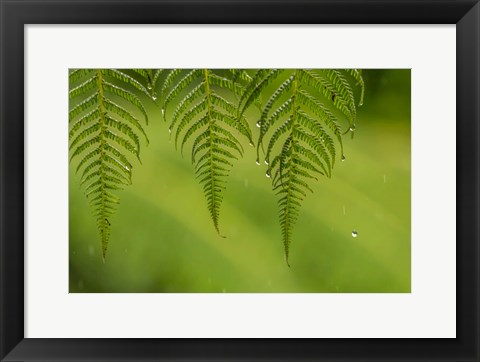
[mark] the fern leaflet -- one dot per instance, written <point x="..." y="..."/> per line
<point x="201" y="106"/>
<point x="105" y="122"/>
<point x="300" y="130"/>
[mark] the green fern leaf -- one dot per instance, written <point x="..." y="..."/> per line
<point x="105" y="131"/>
<point x="301" y="122"/>
<point x="201" y="105"/>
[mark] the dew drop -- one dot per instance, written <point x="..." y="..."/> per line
<point x="149" y="87"/>
<point x="259" y="124"/>
<point x="354" y="233"/>
<point x="343" y="158"/>
<point x="268" y="174"/>
<point x="163" y="111"/>
<point x="169" y="130"/>
<point x="251" y="144"/>
<point x="154" y="97"/>
<point x="257" y="161"/>
<point x="266" y="162"/>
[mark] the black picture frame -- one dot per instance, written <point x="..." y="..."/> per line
<point x="15" y="14"/>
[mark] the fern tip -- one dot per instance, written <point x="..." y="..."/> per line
<point x="217" y="229"/>
<point x="286" y="260"/>
<point x="218" y="232"/>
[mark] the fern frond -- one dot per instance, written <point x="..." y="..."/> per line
<point x="301" y="123"/>
<point x="201" y="105"/>
<point x="105" y="132"/>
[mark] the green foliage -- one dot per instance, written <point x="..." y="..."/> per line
<point x="105" y="121"/>
<point x="303" y="116"/>
<point x="200" y="106"/>
<point x="301" y="121"/>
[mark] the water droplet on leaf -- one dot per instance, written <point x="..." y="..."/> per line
<point x="257" y="161"/>
<point x="343" y="158"/>
<point x="268" y="174"/>
<point x="354" y="233"/>
<point x="259" y="124"/>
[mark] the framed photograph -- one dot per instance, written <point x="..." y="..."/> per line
<point x="239" y="180"/>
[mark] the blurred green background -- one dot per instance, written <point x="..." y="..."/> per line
<point x="163" y="239"/>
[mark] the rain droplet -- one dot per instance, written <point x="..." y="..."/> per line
<point x="149" y="87"/>
<point x="251" y="144"/>
<point x="266" y="162"/>
<point x="169" y="130"/>
<point x="257" y="161"/>
<point x="268" y="174"/>
<point x="163" y="111"/>
<point x="343" y="158"/>
<point x="154" y="97"/>
<point x="354" y="233"/>
<point x="259" y="124"/>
